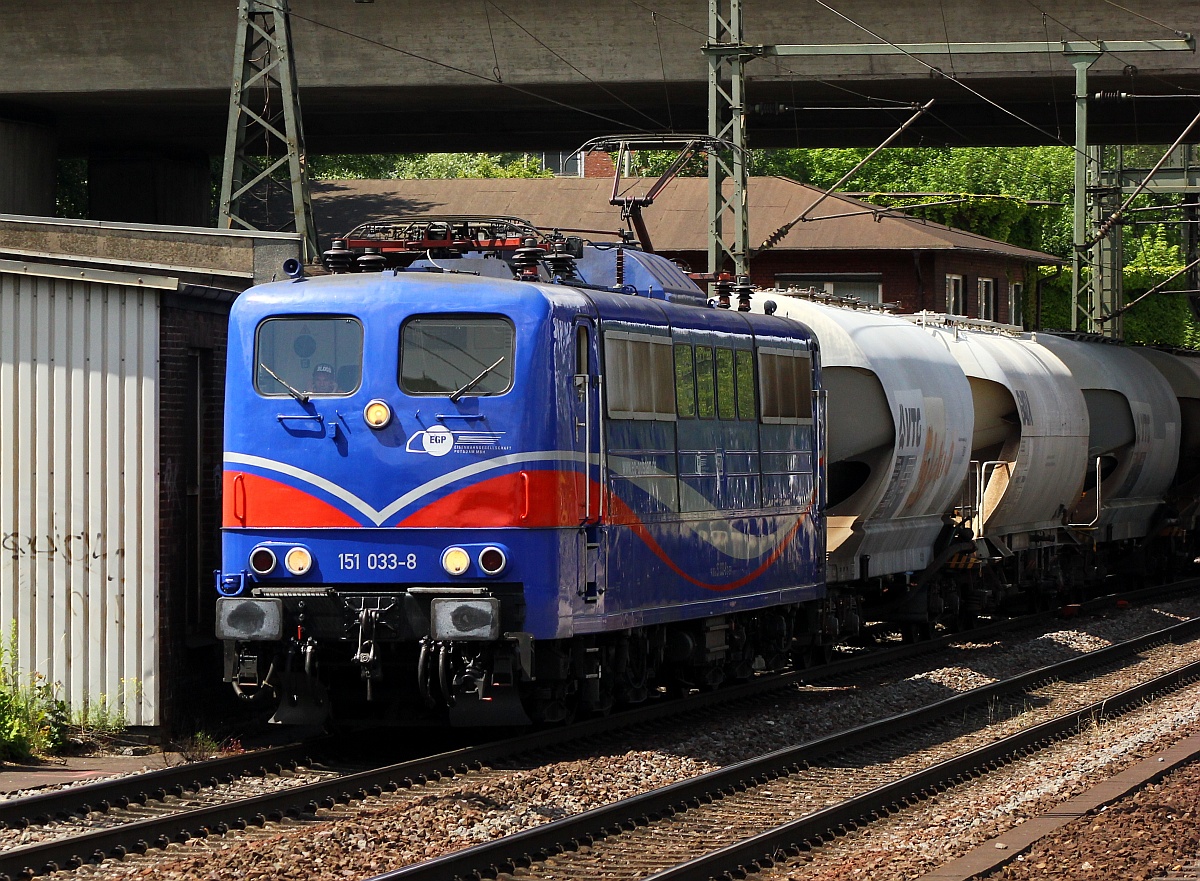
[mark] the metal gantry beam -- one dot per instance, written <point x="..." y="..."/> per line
<point x="264" y="138"/>
<point x="726" y="50"/>
<point x="1067" y="47"/>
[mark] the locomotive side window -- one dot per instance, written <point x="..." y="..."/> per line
<point x="685" y="382"/>
<point x="745" y="384"/>
<point x="308" y="355"/>
<point x="451" y="355"/>
<point x="706" y="391"/>
<point x="726" y="389"/>
<point x="639" y="376"/>
<point x="785" y="380"/>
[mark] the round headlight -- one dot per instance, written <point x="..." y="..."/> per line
<point x="492" y="560"/>
<point x="455" y="561"/>
<point x="298" y="560"/>
<point x="262" y="561"/>
<point x="377" y="414"/>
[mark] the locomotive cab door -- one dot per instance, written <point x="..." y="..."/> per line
<point x="587" y="440"/>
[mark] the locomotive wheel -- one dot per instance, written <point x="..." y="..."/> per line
<point x="556" y="703"/>
<point x="633" y="675"/>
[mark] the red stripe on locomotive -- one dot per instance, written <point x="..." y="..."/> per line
<point x="524" y="498"/>
<point x="250" y="500"/>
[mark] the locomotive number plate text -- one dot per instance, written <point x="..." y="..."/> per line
<point x="376" y="562"/>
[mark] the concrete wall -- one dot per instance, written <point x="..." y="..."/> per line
<point x="27" y="168"/>
<point x="221" y="258"/>
<point x="89" y="46"/>
<point x="403" y="75"/>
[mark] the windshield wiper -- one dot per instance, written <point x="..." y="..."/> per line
<point x="300" y="396"/>
<point x="471" y="383"/>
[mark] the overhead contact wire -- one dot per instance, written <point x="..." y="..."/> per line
<point x="470" y="73"/>
<point x="942" y="73"/>
<point x="827" y="83"/>
<point x="1077" y="33"/>
<point x="1155" y="21"/>
<point x="605" y="90"/>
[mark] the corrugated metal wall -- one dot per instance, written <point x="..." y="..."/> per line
<point x="79" y="484"/>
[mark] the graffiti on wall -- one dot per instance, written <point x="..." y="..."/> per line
<point x="89" y="550"/>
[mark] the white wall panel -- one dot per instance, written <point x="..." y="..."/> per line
<point x="79" y="485"/>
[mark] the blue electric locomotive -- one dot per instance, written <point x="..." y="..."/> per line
<point x="508" y="482"/>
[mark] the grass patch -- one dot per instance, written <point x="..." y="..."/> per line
<point x="199" y="746"/>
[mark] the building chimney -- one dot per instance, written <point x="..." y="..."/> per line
<point x="598" y="163"/>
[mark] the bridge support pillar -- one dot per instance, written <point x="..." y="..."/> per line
<point x="27" y="169"/>
<point x="139" y="187"/>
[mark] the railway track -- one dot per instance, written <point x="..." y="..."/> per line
<point x="713" y="826"/>
<point x="133" y="831"/>
<point x="140" y="834"/>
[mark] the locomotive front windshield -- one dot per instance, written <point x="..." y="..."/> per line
<point x="446" y="355"/>
<point x="312" y="356"/>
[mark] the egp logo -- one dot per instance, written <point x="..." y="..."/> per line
<point x="436" y="440"/>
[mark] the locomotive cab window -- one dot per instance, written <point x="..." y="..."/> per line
<point x="308" y="355"/>
<point x="455" y="355"/>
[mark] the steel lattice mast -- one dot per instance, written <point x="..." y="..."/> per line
<point x="264" y="138"/>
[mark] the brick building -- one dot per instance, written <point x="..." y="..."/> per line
<point x="848" y="248"/>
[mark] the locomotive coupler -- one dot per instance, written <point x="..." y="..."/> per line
<point x="368" y="619"/>
<point x="308" y="651"/>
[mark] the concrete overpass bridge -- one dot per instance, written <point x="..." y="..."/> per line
<point x="142" y="88"/>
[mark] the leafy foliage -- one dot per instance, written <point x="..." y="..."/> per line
<point x="33" y="720"/>
<point x="1022" y="196"/>
<point x="1163" y="318"/>
<point x="989" y="188"/>
<point x="102" y="718"/>
<point x="389" y="166"/>
<point x="71" y="188"/>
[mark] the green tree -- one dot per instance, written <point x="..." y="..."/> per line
<point x="390" y="166"/>
<point x="989" y="189"/>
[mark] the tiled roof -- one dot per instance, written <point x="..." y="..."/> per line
<point x="677" y="221"/>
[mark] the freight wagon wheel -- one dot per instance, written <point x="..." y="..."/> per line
<point x="805" y="656"/>
<point x="821" y="654"/>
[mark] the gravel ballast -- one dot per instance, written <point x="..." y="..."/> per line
<point x="392" y="831"/>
